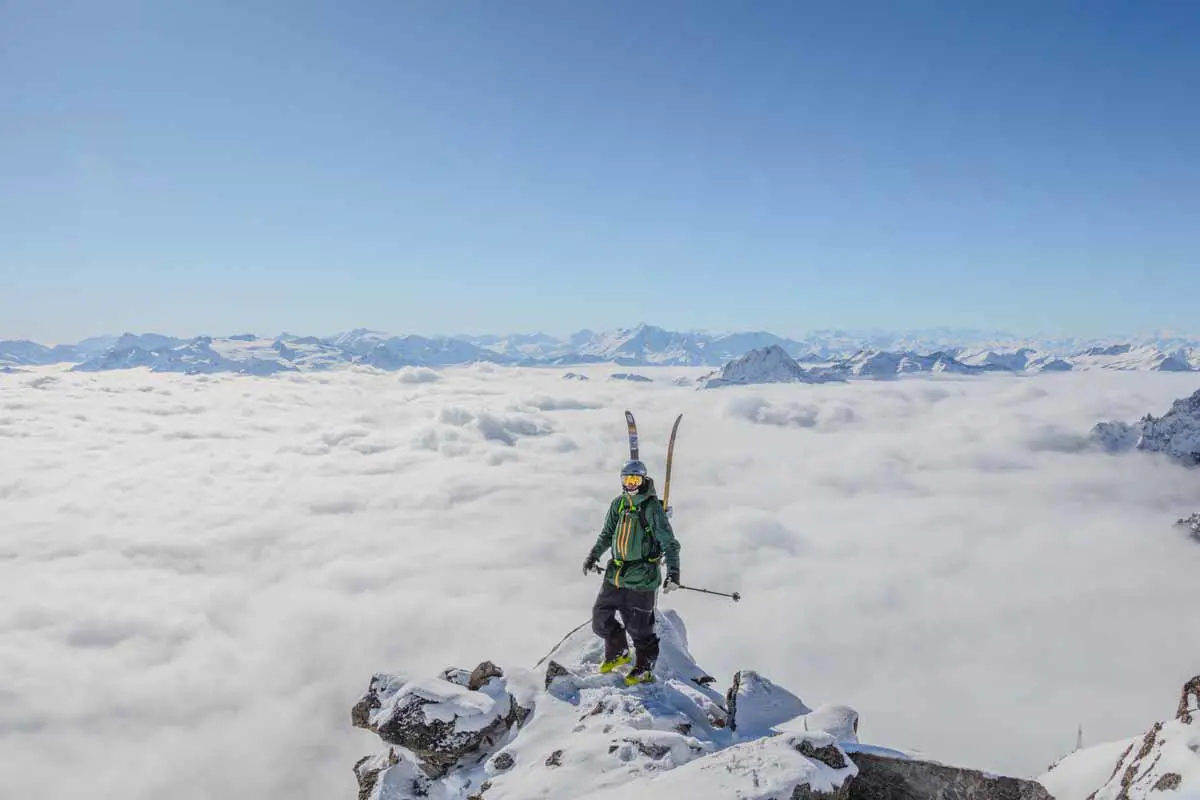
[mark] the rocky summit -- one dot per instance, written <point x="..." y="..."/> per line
<point x="563" y="730"/>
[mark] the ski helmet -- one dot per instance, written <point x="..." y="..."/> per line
<point x="633" y="475"/>
<point x="633" y="468"/>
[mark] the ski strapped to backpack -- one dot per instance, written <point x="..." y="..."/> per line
<point x="670" y="458"/>
<point x="631" y="426"/>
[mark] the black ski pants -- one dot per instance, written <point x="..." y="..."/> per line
<point x="637" y="612"/>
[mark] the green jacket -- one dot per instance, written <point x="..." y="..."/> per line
<point x="636" y="552"/>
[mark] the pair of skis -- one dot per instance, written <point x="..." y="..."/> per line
<point x="631" y="424"/>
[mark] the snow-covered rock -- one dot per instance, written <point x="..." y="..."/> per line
<point x="1175" y="434"/>
<point x="767" y="365"/>
<point x="440" y="722"/>
<point x="756" y="705"/>
<point x="1162" y="763"/>
<point x="633" y="377"/>
<point x="1191" y="525"/>
<point x="563" y="730"/>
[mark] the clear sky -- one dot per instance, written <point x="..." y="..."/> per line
<point x="472" y="166"/>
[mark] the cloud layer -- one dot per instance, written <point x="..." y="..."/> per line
<point x="199" y="574"/>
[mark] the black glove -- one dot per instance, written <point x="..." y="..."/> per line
<point x="672" y="581"/>
<point x="589" y="564"/>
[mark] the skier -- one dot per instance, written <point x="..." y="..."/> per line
<point x="639" y="533"/>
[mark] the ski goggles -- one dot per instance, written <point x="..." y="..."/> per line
<point x="631" y="482"/>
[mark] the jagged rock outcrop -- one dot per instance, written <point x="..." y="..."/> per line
<point x="563" y="730"/>
<point x="1166" y="759"/>
<point x="440" y="721"/>
<point x="1175" y="434"/>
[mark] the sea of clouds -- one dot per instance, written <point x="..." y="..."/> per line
<point x="199" y="574"/>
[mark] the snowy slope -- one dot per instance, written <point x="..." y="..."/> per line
<point x="1164" y="762"/>
<point x="1128" y="357"/>
<point x="405" y="351"/>
<point x="647" y="344"/>
<point x="1012" y="361"/>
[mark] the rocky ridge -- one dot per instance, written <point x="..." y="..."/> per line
<point x="563" y="730"/>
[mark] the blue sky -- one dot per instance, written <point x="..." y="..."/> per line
<point x="470" y="166"/>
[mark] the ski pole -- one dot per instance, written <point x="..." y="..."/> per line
<point x="735" y="595"/>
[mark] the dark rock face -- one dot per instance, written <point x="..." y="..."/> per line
<point x="1169" y="782"/>
<point x="882" y="778"/>
<point x="555" y="670"/>
<point x="1191" y="690"/>
<point x="368" y="768"/>
<point x="829" y="755"/>
<point x="805" y="792"/>
<point x="482" y="674"/>
<point x="360" y="715"/>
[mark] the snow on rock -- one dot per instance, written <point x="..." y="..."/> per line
<point x="756" y="704"/>
<point x="1115" y="437"/>
<point x="629" y="376"/>
<point x="439" y="722"/>
<point x="1176" y="433"/>
<point x="837" y="720"/>
<point x="563" y="730"/>
<point x="1164" y="762"/>
<point x="1192" y="525"/>
<point x="766" y="365"/>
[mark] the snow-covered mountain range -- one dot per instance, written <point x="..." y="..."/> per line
<point x="862" y="354"/>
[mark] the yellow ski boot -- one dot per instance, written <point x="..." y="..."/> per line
<point x="639" y="676"/>
<point x="620" y="661"/>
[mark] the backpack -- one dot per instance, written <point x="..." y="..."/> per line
<point x="629" y="543"/>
